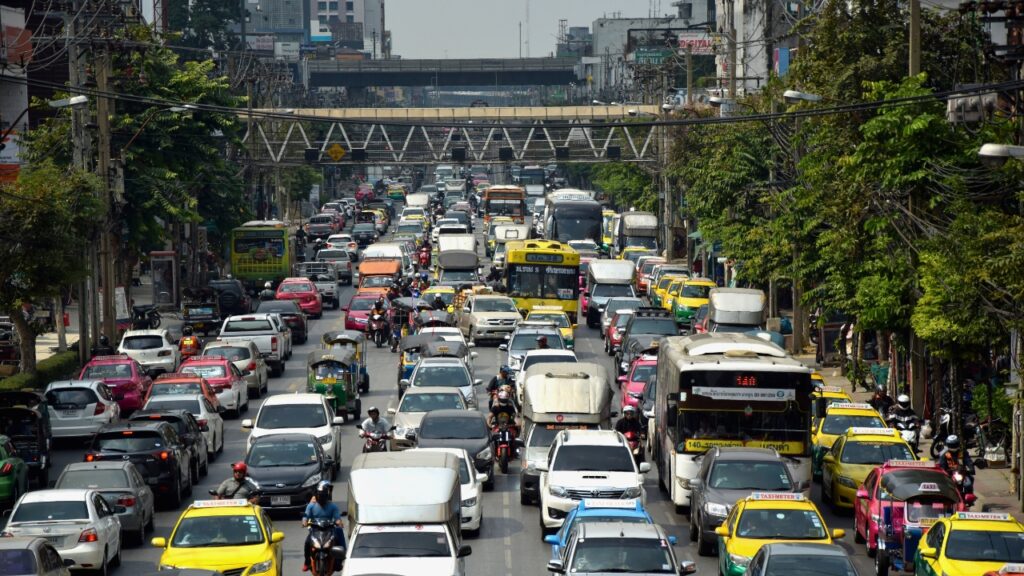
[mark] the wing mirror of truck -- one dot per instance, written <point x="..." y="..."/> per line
<point x="556" y="567"/>
<point x="687" y="567"/>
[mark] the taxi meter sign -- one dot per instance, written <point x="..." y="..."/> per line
<point x="336" y="152"/>
<point x="851" y="406"/>
<point x="1012" y="569"/>
<point x="219" y="503"/>
<point x="874" y="431"/>
<point x="778" y="496"/>
<point x="992" y="516"/>
<point x="910" y="463"/>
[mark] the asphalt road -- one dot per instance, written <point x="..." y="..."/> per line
<point x="510" y="539"/>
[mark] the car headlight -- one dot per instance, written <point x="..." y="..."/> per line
<point x="739" y="560"/>
<point x="848" y="482"/>
<point x="166" y="567"/>
<point x="558" y="491"/>
<point x="485" y="454"/>
<point x="260" y="567"/>
<point x="325" y="439"/>
<point x="311" y="480"/>
<point x="400" y="430"/>
<point x="633" y="492"/>
<point x="716" y="509"/>
<point x="469" y="502"/>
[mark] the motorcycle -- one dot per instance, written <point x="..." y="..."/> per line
<point x="323" y="560"/>
<point x="424" y="257"/>
<point x="144" y="317"/>
<point x="944" y="429"/>
<point x="909" y="427"/>
<point x="504" y="438"/>
<point x="375" y="441"/>
<point x="377" y="328"/>
<point x="635" y="446"/>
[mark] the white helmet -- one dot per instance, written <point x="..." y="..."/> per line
<point x="629" y="409"/>
<point x="903" y="400"/>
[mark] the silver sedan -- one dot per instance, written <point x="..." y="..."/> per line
<point x="120" y="484"/>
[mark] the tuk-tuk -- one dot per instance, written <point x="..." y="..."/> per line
<point x="201" y="310"/>
<point x="333" y="373"/>
<point x="357" y="342"/>
<point x="24" y="418"/>
<point x="445" y="349"/>
<point x="907" y="499"/>
<point x="410" y="352"/>
<point x="822" y="398"/>
<point x="428" y="318"/>
<point x="405" y="311"/>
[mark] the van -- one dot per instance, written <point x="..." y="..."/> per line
<point x="502" y="235"/>
<point x="393" y="250"/>
<point x="418" y="200"/>
<point x="736" y="309"/>
<point x="377" y="274"/>
<point x="606" y="279"/>
<point x="408" y="503"/>
<point x="559" y="396"/>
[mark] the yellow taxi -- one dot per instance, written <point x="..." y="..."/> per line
<point x="823" y="397"/>
<point x="657" y="293"/>
<point x="839" y="418"/>
<point x="692" y="296"/>
<point x="767" y="517"/>
<point x="559" y="317"/>
<point x="971" y="543"/>
<point x="446" y="293"/>
<point x="853" y="456"/>
<point x="624" y="255"/>
<point x="672" y="292"/>
<point x="817" y="380"/>
<point x="229" y="536"/>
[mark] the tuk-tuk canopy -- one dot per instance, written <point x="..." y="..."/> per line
<point x="26" y="398"/>
<point x="19" y="421"/>
<point x="434" y="318"/>
<point x="411" y="304"/>
<point x="448" y="349"/>
<point x="458" y="259"/>
<point x="418" y="341"/>
<point x="346" y="356"/>
<point x="914" y="483"/>
<point x="339" y="337"/>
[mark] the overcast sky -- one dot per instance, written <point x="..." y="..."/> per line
<point x="490" y="28"/>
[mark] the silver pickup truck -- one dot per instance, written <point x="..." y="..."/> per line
<point x="325" y="276"/>
<point x="272" y="337"/>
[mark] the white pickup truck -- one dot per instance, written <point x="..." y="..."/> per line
<point x="270" y="334"/>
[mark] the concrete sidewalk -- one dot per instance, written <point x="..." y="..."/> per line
<point x="992" y="486"/>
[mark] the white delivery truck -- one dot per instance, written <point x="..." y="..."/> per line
<point x="736" y="309"/>
<point x="404" y="515"/>
<point x="555" y="397"/>
<point x="637" y="229"/>
<point x="606" y="279"/>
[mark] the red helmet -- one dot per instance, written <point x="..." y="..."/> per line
<point x="239" y="467"/>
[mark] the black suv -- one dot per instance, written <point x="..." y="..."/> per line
<point x="157" y="451"/>
<point x="188" y="429"/>
<point x="654" y="323"/>
<point x="231" y="297"/>
<point x="292" y="315"/>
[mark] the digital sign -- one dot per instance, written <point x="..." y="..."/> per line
<point x="746" y="380"/>
<point x="546" y="258"/>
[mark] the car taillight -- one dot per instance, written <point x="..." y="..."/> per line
<point x="6" y="469"/>
<point x="202" y="422"/>
<point x="164" y="455"/>
<point x="251" y="367"/>
<point x="88" y="535"/>
<point x="126" y="500"/>
<point x="164" y="353"/>
<point x="273" y="342"/>
<point x="90" y="457"/>
<point x="100" y="408"/>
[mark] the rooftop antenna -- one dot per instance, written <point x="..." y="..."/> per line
<point x="527" y="28"/>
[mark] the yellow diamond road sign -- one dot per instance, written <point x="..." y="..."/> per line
<point x="336" y="152"/>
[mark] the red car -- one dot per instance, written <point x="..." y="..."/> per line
<point x="357" y="311"/>
<point x="127" y="381"/>
<point x="616" y="328"/>
<point x="632" y="384"/>
<point x="222" y="375"/>
<point x="885" y="487"/>
<point x="303" y="291"/>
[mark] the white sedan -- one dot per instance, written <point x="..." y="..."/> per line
<point x="79" y="523"/>
<point x="209" y="418"/>
<point x="472" y="489"/>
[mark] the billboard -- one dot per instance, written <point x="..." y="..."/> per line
<point x="699" y="42"/>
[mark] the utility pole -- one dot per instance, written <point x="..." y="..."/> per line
<point x="668" y="217"/>
<point x="103" y="112"/>
<point x="78" y="151"/>
<point x="689" y="75"/>
<point x="915" y="37"/>
<point x="732" y="51"/>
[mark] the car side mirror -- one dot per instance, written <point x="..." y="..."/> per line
<point x="338" y="421"/>
<point x="828" y="459"/>
<point x="159" y="542"/>
<point x="551" y="539"/>
<point x="687" y="567"/>
<point x="392" y="411"/>
<point x="927" y="552"/>
<point x="645" y="467"/>
<point x="586" y="294"/>
<point x="465" y="550"/>
<point x="344" y="309"/>
<point x="246" y="372"/>
<point x="276" y="537"/>
<point x="478" y="382"/>
<point x="221" y="409"/>
<point x="120" y="509"/>
<point x="541" y="467"/>
<point x="473" y="355"/>
<point x="247" y="424"/>
<point x="722" y="531"/>
<point x="503" y="347"/>
<point x="328" y="462"/>
<point x="862" y="493"/>
<point x="695" y="483"/>
<point x="204" y="427"/>
<point x="404" y="382"/>
<point x="556" y="567"/>
<point x="838" y="533"/>
<point x="970" y="499"/>
<point x="622" y="379"/>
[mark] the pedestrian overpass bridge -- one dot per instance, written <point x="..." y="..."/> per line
<point x="440" y="72"/>
<point x="485" y="135"/>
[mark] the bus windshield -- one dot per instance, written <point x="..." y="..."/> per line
<point x="504" y="207"/>
<point x="576" y="221"/>
<point x="538" y="281"/>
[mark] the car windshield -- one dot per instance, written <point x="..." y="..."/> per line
<point x="874" y="452"/>
<point x="644" y="555"/>
<point x="779" y="524"/>
<point x="165" y="389"/>
<point x="190" y="405"/>
<point x="361" y="304"/>
<point x="583" y="245"/>
<point x="643" y="373"/>
<point x="549" y="359"/>
<point x="95" y="479"/>
<point x="295" y="287"/>
<point x="441" y="376"/>
<point x="495" y="305"/>
<point x="410" y="229"/>
<point x="662" y="326"/>
<point x="292" y="416"/>
<point x="368" y="228"/>
<point x="695" y="291"/>
<point x="276" y="453"/>
<point x="560" y="320"/>
<point x="431" y="402"/>
<point x="838" y="423"/>
<point x="410" y="544"/>
<point x="142" y="342"/>
<point x="753" y="475"/>
<point x="802" y="565"/>
<point x="79" y="397"/>
<point x="233" y="354"/>
<point x="593" y="459"/>
<point x="621" y="320"/>
<point x="217" y="531"/>
<point x="616" y="304"/>
<point x="206" y="370"/>
<point x="525" y="342"/>
<point x="128" y="441"/>
<point x="458" y="276"/>
<point x="612" y="290"/>
<point x="100" y="371"/>
<point x="15" y="562"/>
<point x="460" y="428"/>
<point x="648" y="266"/>
<point x="921" y="508"/>
<point x="51" y="511"/>
<point x="985" y="546"/>
<point x="376" y="281"/>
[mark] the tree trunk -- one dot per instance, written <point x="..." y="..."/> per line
<point x="62" y="331"/>
<point x="28" y="341"/>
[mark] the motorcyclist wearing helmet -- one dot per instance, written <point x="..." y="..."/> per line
<point x="438" y="303"/>
<point x="881" y="401"/>
<point x="238" y="486"/>
<point x="374" y="423"/>
<point x="268" y="292"/>
<point x="901" y="409"/>
<point x="952" y="459"/>
<point x="321" y="507"/>
<point x="630" y="422"/>
<point x="190" y="344"/>
<point x="502" y="405"/>
<point x="103" y="347"/>
<point x="393" y="292"/>
<point x="424" y="282"/>
<point x="493" y="275"/>
<point x="502" y="378"/>
<point x="379" y="307"/>
<point x="542" y="342"/>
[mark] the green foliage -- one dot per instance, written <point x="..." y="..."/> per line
<point x="1002" y="406"/>
<point x="205" y="23"/>
<point x="626" y="185"/>
<point x="60" y="366"/>
<point x="297" y="180"/>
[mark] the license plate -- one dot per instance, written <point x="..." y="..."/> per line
<point x="330" y="380"/>
<point x="70" y="412"/>
<point x="280" y="500"/>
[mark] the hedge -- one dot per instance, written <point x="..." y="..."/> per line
<point x="60" y="366"/>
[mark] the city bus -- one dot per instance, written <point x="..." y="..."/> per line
<point x="728" y="389"/>
<point x="573" y="215"/>
<point x="542" y="273"/>
<point x="608" y="219"/>
<point x="261" y="251"/>
<point x="504" y="201"/>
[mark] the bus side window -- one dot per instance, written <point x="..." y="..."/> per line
<point x="671" y="412"/>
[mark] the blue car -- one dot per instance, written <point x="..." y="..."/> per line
<point x="598" y="510"/>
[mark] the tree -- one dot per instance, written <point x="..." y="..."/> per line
<point x="46" y="216"/>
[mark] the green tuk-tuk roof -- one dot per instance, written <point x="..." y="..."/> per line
<point x="343" y="337"/>
<point x="346" y="356"/>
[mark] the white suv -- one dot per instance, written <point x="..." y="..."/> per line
<point x="587" y="464"/>
<point x="298" y="413"/>
<point x="153" y="349"/>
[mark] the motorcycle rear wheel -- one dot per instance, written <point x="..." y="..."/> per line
<point x="503" y="462"/>
<point x="322" y="565"/>
<point x="154" y="321"/>
<point x="936" y="449"/>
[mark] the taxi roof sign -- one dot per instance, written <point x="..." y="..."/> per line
<point x="857" y="430"/>
<point x="629" y="504"/>
<point x="778" y="496"/>
<point x="1012" y="569"/>
<point x="910" y="463"/>
<point x="835" y="389"/>
<point x="928" y="487"/>
<point x="220" y="503"/>
<point x="851" y="406"/>
<point x="995" y="516"/>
